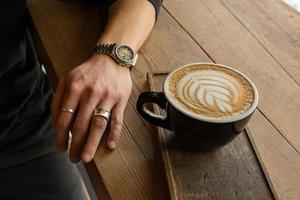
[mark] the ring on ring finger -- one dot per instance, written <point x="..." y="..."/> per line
<point x="100" y="112"/>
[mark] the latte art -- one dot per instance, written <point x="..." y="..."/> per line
<point x="208" y="90"/>
<point x="211" y="91"/>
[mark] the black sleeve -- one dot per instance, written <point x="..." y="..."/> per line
<point x="157" y="5"/>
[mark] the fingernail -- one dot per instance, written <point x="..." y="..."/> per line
<point x="86" y="157"/>
<point x="112" y="144"/>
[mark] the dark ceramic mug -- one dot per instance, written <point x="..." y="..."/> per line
<point x="198" y="134"/>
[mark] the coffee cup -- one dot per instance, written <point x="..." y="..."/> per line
<point x="207" y="105"/>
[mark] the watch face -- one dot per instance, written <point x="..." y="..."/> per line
<point x="125" y="53"/>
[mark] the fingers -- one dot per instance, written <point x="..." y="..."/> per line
<point x="97" y="129"/>
<point x="98" y="126"/>
<point x="116" y="124"/>
<point x="65" y="119"/>
<point x="90" y="86"/>
<point x="81" y="125"/>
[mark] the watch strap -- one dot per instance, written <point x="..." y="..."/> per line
<point x="103" y="48"/>
<point x="109" y="49"/>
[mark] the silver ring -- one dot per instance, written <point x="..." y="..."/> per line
<point x="69" y="110"/>
<point x="100" y="112"/>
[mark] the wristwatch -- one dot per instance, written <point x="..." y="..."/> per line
<point x="122" y="54"/>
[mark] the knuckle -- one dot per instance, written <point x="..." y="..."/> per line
<point x="124" y="96"/>
<point x="115" y="133"/>
<point x="116" y="130"/>
<point x="71" y="76"/>
<point x="99" y="123"/>
<point x="117" y="124"/>
<point x="93" y="90"/>
<point x="75" y="87"/>
<point x="112" y="94"/>
<point x="118" y="119"/>
<point x="105" y="93"/>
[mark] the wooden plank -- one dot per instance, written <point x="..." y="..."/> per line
<point x="230" y="172"/>
<point x="157" y="52"/>
<point x="127" y="173"/>
<point x="287" y="18"/>
<point x="273" y="37"/>
<point x="96" y="181"/>
<point x="228" y="42"/>
<point x="280" y="161"/>
<point x="161" y="59"/>
<point x="72" y="29"/>
<point x="221" y="35"/>
<point x="277" y="154"/>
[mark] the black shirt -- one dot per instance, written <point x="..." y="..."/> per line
<point x="25" y="122"/>
<point x="25" y="130"/>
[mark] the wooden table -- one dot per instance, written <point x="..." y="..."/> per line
<point x="259" y="37"/>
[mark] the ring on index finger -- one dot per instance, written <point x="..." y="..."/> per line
<point x="100" y="112"/>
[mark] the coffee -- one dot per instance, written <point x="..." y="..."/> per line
<point x="210" y="91"/>
<point x="206" y="104"/>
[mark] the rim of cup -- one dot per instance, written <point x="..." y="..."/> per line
<point x="196" y="116"/>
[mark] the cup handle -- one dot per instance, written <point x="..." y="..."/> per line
<point x="156" y="98"/>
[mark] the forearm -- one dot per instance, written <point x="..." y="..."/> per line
<point x="129" y="23"/>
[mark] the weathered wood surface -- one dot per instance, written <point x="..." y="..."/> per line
<point x="189" y="31"/>
<point x="227" y="41"/>
<point x="217" y="30"/>
<point x="230" y="172"/>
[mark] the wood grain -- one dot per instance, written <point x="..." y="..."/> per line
<point x="97" y="183"/>
<point x="226" y="41"/>
<point x="65" y="31"/>
<point x="279" y="160"/>
<point x="230" y="172"/>
<point x="280" y="44"/>
<point x="287" y="18"/>
<point x="72" y="29"/>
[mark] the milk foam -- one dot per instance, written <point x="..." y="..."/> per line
<point x="211" y="92"/>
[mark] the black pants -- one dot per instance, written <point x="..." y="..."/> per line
<point x="48" y="177"/>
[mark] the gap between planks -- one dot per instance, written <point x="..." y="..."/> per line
<point x="260" y="42"/>
<point x="244" y="59"/>
<point x="193" y="38"/>
<point x="184" y="29"/>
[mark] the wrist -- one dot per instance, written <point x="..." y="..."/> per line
<point x="100" y="58"/>
<point x="120" y="53"/>
<point x="103" y="61"/>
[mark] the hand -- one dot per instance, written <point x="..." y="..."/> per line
<point x="99" y="82"/>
